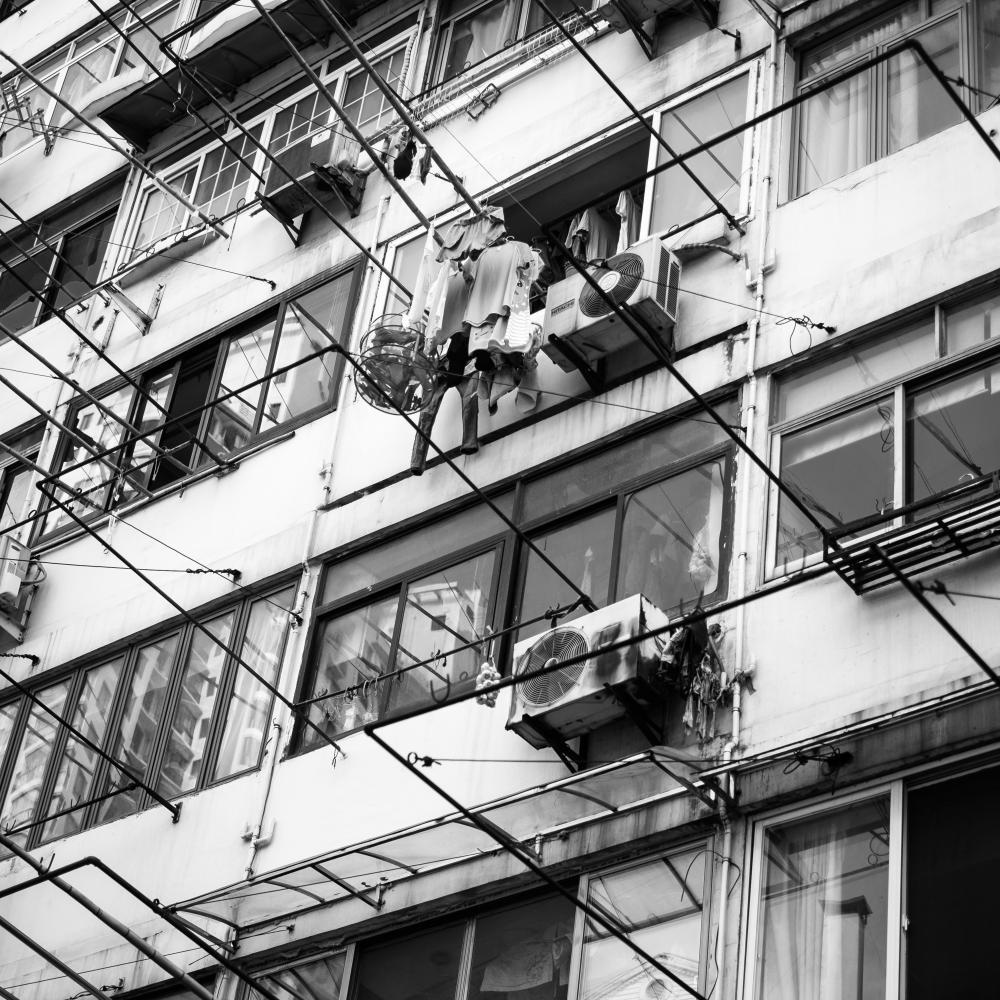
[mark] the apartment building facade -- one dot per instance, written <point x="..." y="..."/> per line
<point x="716" y="480"/>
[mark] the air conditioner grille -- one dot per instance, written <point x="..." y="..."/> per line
<point x="559" y="644"/>
<point x="619" y="278"/>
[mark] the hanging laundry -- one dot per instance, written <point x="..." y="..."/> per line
<point x="629" y="213"/>
<point x="455" y="370"/>
<point x="403" y="164"/>
<point x="428" y="273"/>
<point x="592" y="236"/>
<point x="425" y="164"/>
<point x="502" y="279"/>
<point x="472" y="235"/>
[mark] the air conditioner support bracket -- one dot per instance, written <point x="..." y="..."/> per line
<point x="622" y="20"/>
<point x="637" y="714"/>
<point x="594" y="379"/>
<point x="293" y="229"/>
<point x="570" y="757"/>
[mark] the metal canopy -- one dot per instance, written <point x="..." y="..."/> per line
<point x="224" y="63"/>
<point x="362" y="869"/>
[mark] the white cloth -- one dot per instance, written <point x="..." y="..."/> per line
<point x="628" y="212"/>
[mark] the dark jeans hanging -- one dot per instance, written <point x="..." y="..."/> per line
<point x="451" y="374"/>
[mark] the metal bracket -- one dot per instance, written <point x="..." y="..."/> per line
<point x="593" y="378"/>
<point x="637" y="714"/>
<point x="570" y="757"/>
<point x="141" y="318"/>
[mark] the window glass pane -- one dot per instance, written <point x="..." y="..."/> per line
<point x="21" y="290"/>
<point x="85" y="74"/>
<point x="602" y="475"/>
<point x="443" y="609"/>
<point x="671" y="538"/>
<point x="249" y="709"/>
<point x="867" y="366"/>
<point x="307" y="115"/>
<point x="187" y="739"/>
<point x="834" y="132"/>
<point x="147" y="40"/>
<point x="162" y="213"/>
<point x="582" y="550"/>
<point x="659" y="906"/>
<point x="135" y="740"/>
<point x="32" y="757"/>
<point x="538" y="19"/>
<point x="431" y="964"/>
<point x="676" y="197"/>
<point x="7" y="715"/>
<point x="813" y="463"/>
<point x="317" y="980"/>
<point x="480" y="34"/>
<point x="918" y="104"/>
<point x="989" y="51"/>
<point x="972" y="325"/>
<point x="824" y="906"/>
<point x="366" y="105"/>
<point x="93" y="479"/>
<point x="82" y="255"/>
<point x="523" y="953"/>
<point x="17" y="479"/>
<point x="952" y="429"/>
<point x="143" y="450"/>
<point x="226" y="176"/>
<point x="352" y="651"/>
<point x="362" y="572"/>
<point x="75" y="777"/>
<point x="233" y="420"/>
<point x="311" y="384"/>
<point x="836" y="53"/>
<point x="405" y="267"/>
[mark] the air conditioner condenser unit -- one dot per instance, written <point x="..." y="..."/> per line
<point x="645" y="278"/>
<point x="14" y="557"/>
<point x="579" y="698"/>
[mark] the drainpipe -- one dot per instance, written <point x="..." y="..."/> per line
<point x="282" y="720"/>
<point x="742" y="664"/>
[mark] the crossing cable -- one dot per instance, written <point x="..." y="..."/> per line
<point x="640" y="117"/>
<point x="246" y="133"/>
<point x="917" y="592"/>
<point x="45" y="874"/>
<point x="393" y="98"/>
<point x="73" y="383"/>
<point x="199" y="626"/>
<point x="345" y="119"/>
<point x="166" y="188"/>
<point x="174" y="808"/>
<point x="585" y="598"/>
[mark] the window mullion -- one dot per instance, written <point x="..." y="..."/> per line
<point x="900" y="456"/>
<point x="894" y="919"/>
<point x="647" y="194"/>
<point x="465" y="961"/>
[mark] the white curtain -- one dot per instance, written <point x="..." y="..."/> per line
<point x="834" y="133"/>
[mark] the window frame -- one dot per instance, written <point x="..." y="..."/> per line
<point x="968" y="13"/>
<point x="128" y="652"/>
<point x="45" y="301"/>
<point x="894" y="790"/>
<point x="92" y="37"/>
<point x="352" y="272"/>
<point x="943" y="368"/>
<point x="336" y="76"/>
<point x="396" y="585"/>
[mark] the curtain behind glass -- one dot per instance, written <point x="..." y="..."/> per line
<point x="824" y="907"/>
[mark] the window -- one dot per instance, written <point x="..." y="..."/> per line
<point x="835" y="887"/>
<point x="229" y="393"/>
<point x="80" y="237"/>
<point x="665" y="537"/>
<point x="219" y="181"/>
<point x="890" y="106"/>
<point x="907" y="426"/>
<point x="97" y="56"/>
<point x="176" y="710"/>
<point x="472" y="31"/>
<point x="665" y="204"/>
<point x="15" y="478"/>
<point x="533" y="948"/>
<point x="649" y="516"/>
